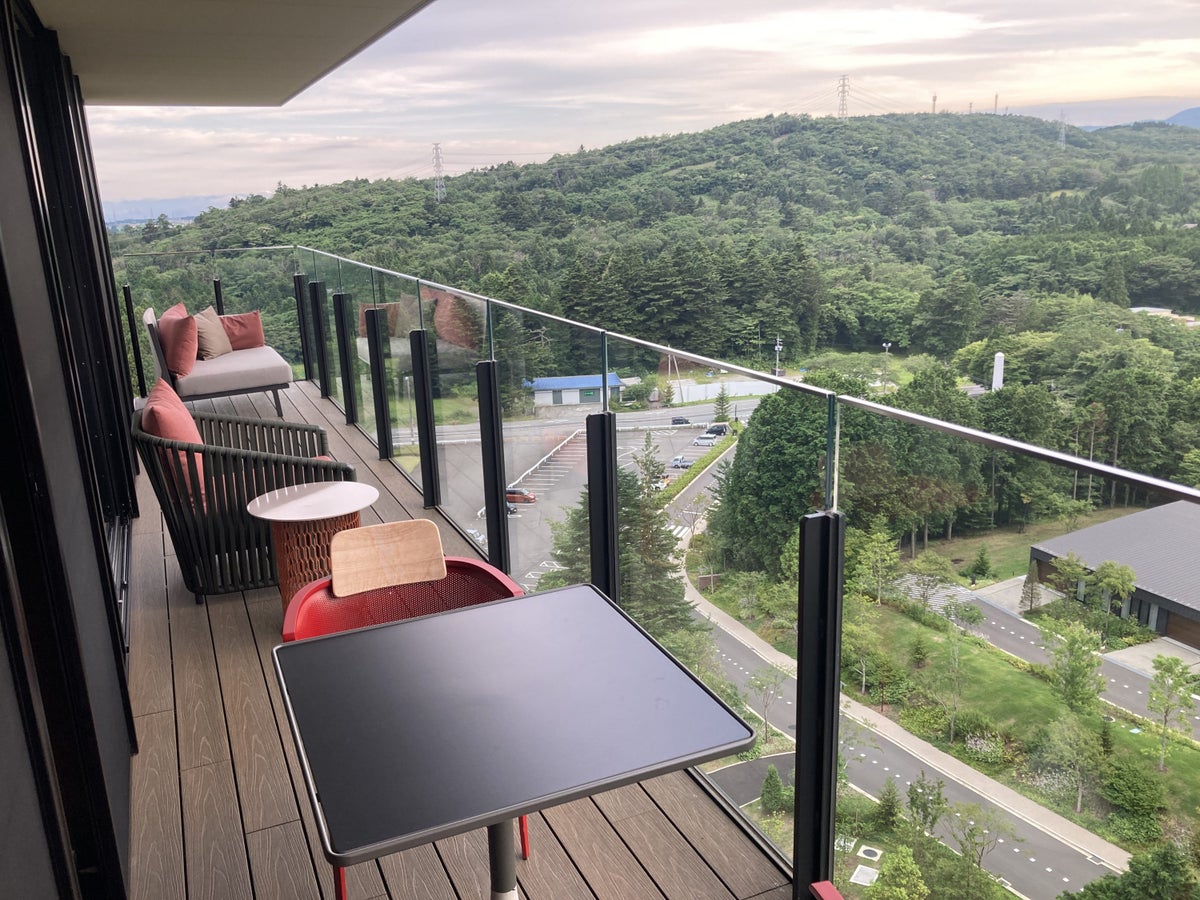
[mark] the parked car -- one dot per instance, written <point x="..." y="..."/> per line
<point x="477" y="536"/>
<point x="661" y="483"/>
<point x="720" y="429"/>
<point x="512" y="510"/>
<point x="704" y="440"/>
<point x="680" y="420"/>
<point x="514" y="494"/>
<point x="678" y="462"/>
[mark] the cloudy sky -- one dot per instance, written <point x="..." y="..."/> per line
<point x="525" y="79"/>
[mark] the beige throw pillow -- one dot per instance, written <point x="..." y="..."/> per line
<point x="211" y="336"/>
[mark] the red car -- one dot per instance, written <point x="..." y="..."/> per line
<point x="519" y="495"/>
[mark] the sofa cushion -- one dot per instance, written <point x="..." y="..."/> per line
<point x="239" y="372"/>
<point x="244" y="330"/>
<point x="210" y="334"/>
<point x="165" y="416"/>
<point x="177" y="335"/>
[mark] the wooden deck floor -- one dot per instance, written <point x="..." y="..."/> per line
<point x="219" y="806"/>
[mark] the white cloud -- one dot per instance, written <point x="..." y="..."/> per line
<point x="512" y="80"/>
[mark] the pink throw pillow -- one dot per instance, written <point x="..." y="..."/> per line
<point x="165" y="416"/>
<point x="179" y="339"/>
<point x="244" y="330"/>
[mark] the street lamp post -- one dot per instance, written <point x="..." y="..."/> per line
<point x="887" y="345"/>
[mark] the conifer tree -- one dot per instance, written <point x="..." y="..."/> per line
<point x="1031" y="590"/>
<point x="772" y="791"/>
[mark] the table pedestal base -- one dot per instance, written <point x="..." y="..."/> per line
<point x="302" y="551"/>
<point x="502" y="860"/>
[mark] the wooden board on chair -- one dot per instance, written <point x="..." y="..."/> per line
<point x="364" y="559"/>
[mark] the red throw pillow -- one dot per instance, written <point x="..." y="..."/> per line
<point x="244" y="330"/>
<point x="179" y="339"/>
<point x="165" y="416"/>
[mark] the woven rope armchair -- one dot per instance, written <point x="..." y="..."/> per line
<point x="203" y="490"/>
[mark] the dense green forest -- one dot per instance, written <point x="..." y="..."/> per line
<point x="948" y="235"/>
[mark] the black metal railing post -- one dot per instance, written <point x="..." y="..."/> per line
<point x="818" y="683"/>
<point x="316" y="309"/>
<point x="218" y="297"/>
<point x="602" y="502"/>
<point x="346" y="336"/>
<point x="431" y="482"/>
<point x="491" y="432"/>
<point x="134" y="342"/>
<point x="379" y="352"/>
<point x="302" y="322"/>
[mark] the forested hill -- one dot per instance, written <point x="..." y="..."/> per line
<point x="828" y="232"/>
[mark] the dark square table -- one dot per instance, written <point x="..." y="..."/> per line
<point x="430" y="727"/>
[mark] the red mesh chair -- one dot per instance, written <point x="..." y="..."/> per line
<point x="385" y="573"/>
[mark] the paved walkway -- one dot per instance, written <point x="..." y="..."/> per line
<point x="1002" y="796"/>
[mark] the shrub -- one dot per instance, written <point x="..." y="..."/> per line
<point x="985" y="747"/>
<point x="924" y="720"/>
<point x="918" y="652"/>
<point x="971" y="722"/>
<point x="1137" y="830"/>
<point x="1129" y="786"/>
<point x="855" y="813"/>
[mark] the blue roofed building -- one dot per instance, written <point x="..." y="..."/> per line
<point x="572" y="390"/>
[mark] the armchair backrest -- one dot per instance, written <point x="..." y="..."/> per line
<point x="202" y="491"/>
<point x="377" y="556"/>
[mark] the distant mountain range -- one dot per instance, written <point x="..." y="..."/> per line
<point x="177" y="209"/>
<point x="1106" y="113"/>
<point x="1189" y="117"/>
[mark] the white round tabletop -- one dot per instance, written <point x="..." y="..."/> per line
<point x="315" y="500"/>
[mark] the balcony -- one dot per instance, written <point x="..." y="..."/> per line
<point x="218" y="802"/>
<point x="435" y="395"/>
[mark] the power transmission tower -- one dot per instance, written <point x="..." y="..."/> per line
<point x="1062" y="129"/>
<point x="439" y="183"/>
<point x="935" y="104"/>
<point x="843" y="90"/>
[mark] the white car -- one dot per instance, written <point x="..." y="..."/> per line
<point x="704" y="440"/>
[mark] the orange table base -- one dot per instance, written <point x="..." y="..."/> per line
<point x="302" y="551"/>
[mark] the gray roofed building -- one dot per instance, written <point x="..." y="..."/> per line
<point x="1162" y="546"/>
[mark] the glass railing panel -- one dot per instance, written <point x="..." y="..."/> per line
<point x="457" y="341"/>
<point x="261" y="280"/>
<point x="159" y="281"/>
<point x="713" y="498"/>
<point x="547" y="390"/>
<point x="356" y="285"/>
<point x="966" y="620"/>
<point x="162" y="280"/>
<point x="396" y="298"/>
<point x="324" y="271"/>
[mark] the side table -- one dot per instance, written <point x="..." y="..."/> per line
<point x="304" y="518"/>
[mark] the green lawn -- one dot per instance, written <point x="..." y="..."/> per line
<point x="1008" y="549"/>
